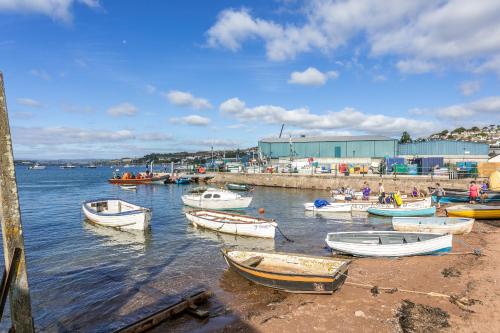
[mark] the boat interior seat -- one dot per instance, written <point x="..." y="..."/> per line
<point x="411" y="238"/>
<point x="253" y="261"/>
<point x="385" y="240"/>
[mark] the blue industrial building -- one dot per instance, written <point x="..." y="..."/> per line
<point x="443" y="148"/>
<point x="367" y="146"/>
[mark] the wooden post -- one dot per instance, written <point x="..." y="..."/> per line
<point x="12" y="232"/>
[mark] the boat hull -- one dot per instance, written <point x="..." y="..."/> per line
<point x="479" y="214"/>
<point x="238" y="187"/>
<point x="263" y="230"/>
<point x="402" y="212"/>
<point x="239" y="203"/>
<point x="292" y="283"/>
<point x="442" y="225"/>
<point x="137" y="181"/>
<point x="443" y="243"/>
<point x="133" y="220"/>
<point x="363" y="206"/>
<point x="332" y="207"/>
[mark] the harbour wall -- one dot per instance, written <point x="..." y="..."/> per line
<point x="329" y="181"/>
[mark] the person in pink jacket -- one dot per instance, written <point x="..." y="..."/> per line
<point x="473" y="192"/>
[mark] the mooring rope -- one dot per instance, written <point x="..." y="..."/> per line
<point x="461" y="302"/>
<point x="284" y="236"/>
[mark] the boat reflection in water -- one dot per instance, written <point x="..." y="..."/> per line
<point x="233" y="241"/>
<point x="136" y="240"/>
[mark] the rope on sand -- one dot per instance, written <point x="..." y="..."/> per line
<point x="461" y="302"/>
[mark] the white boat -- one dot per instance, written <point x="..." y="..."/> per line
<point x="388" y="243"/>
<point x="450" y="225"/>
<point x="216" y="199"/>
<point x="242" y="225"/>
<point x="117" y="213"/>
<point x="128" y="187"/>
<point x="37" y="166"/>
<point x="332" y="207"/>
<point x="363" y="206"/>
<point x="67" y="166"/>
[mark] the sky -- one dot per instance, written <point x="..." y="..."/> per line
<point x="110" y="79"/>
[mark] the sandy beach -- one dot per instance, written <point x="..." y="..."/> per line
<point x="472" y="279"/>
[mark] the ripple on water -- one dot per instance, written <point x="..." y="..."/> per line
<point x="85" y="277"/>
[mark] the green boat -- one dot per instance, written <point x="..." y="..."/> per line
<point x="238" y="187"/>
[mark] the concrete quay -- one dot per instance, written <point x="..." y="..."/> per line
<point x="404" y="183"/>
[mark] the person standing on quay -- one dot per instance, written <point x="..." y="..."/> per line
<point x="381" y="193"/>
<point x="473" y="192"/>
<point x="439" y="192"/>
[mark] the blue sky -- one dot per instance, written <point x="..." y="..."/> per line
<point x="105" y="79"/>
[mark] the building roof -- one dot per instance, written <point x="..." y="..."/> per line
<point x="330" y="138"/>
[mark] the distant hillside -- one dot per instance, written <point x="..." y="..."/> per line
<point x="488" y="134"/>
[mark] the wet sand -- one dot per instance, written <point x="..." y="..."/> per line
<point x="359" y="309"/>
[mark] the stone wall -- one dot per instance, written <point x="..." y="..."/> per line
<point x="329" y="181"/>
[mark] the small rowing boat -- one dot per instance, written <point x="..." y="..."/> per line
<point x="128" y="187"/>
<point x="388" y="243"/>
<point x="363" y="206"/>
<point x="294" y="273"/>
<point x="117" y="213"/>
<point x="320" y="205"/>
<point x="182" y="181"/>
<point x="238" y="187"/>
<point x="402" y="212"/>
<point x="242" y="225"/>
<point x="480" y="212"/>
<point x="443" y="225"/>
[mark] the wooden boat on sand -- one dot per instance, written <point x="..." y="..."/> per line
<point x="397" y="211"/>
<point x="479" y="212"/>
<point x="444" y="225"/>
<point x="294" y="273"/>
<point x="388" y="243"/>
<point x="242" y="225"/>
<point x="117" y="213"/>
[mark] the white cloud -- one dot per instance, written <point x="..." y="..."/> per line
<point x="123" y="109"/>
<point x="23" y="114"/>
<point x="33" y="136"/>
<point x="69" y="108"/>
<point x="379" y="78"/>
<point x="60" y="10"/>
<point x="155" y="136"/>
<point x="487" y="106"/>
<point x="469" y="87"/>
<point x="312" y="77"/>
<point x="29" y="102"/>
<point x="216" y="143"/>
<point x="414" y="66"/>
<point x="150" y="89"/>
<point x="346" y="119"/>
<point x="40" y="73"/>
<point x="193" y="120"/>
<point x="236" y="126"/>
<point x="185" y="99"/>
<point x="491" y="65"/>
<point x="433" y="34"/>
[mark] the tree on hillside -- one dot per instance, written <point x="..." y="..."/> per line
<point x="405" y="138"/>
<point x="458" y="130"/>
<point x="474" y="129"/>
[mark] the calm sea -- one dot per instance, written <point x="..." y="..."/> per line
<point x="88" y="278"/>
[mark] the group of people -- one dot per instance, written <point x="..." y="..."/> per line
<point x="131" y="175"/>
<point x="476" y="191"/>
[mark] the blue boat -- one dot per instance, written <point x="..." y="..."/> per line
<point x="402" y="212"/>
<point x="182" y="180"/>
<point x="464" y="198"/>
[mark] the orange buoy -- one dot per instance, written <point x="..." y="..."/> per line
<point x="262" y="210"/>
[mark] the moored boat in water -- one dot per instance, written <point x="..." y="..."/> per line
<point x="295" y="273"/>
<point x="388" y="243"/>
<point x="37" y="166"/>
<point x="402" y="212"/>
<point x="128" y="187"/>
<point x="216" y="199"/>
<point x="117" y="213"/>
<point x="182" y="181"/>
<point x="364" y="205"/>
<point x="483" y="212"/>
<point x="242" y="225"/>
<point x="238" y="187"/>
<point x="451" y="225"/>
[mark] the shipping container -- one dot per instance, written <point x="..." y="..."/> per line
<point x="400" y="169"/>
<point x="427" y="164"/>
<point x="390" y="161"/>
